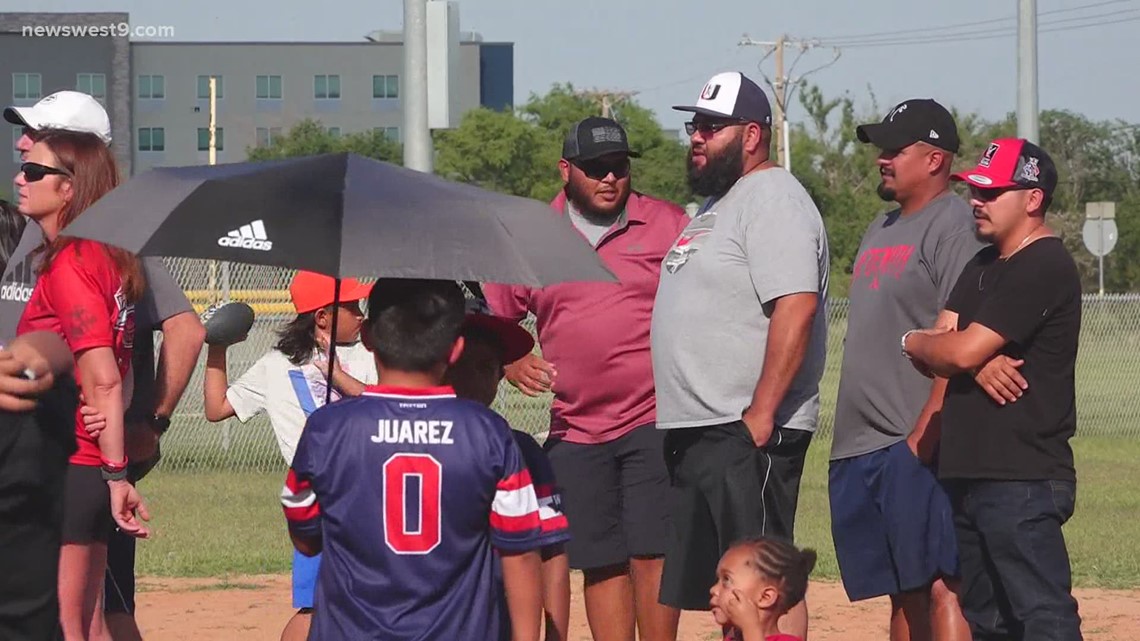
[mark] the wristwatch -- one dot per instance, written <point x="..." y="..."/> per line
<point x="159" y="424"/>
<point x="113" y="471"/>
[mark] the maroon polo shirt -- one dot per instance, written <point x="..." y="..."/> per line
<point x="597" y="334"/>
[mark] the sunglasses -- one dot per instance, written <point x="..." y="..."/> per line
<point x="35" y="172"/>
<point x="706" y="127"/>
<point x="599" y="169"/>
<point x="990" y="194"/>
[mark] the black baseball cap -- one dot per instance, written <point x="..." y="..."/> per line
<point x="1012" y="162"/>
<point x="595" y="137"/>
<point x="911" y="121"/>
<point x="732" y="95"/>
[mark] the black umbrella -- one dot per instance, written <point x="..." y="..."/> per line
<point x="341" y="215"/>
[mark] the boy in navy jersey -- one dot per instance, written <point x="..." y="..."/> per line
<point x="488" y="343"/>
<point x="407" y="488"/>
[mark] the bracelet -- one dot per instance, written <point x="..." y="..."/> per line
<point x="902" y="343"/>
<point x="112" y="475"/>
<point x="112" y="466"/>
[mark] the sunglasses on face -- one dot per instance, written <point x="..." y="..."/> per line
<point x="35" y="172"/>
<point x="706" y="127"/>
<point x="599" y="169"/>
<point x="990" y="194"/>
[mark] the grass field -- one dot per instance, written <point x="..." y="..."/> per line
<point x="215" y="524"/>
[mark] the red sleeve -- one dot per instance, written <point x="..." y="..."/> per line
<point x="80" y="298"/>
<point x="509" y="301"/>
<point x="302" y="511"/>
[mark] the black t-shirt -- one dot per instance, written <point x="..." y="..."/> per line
<point x="1033" y="300"/>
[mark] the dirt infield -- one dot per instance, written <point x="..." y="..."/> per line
<point x="256" y="608"/>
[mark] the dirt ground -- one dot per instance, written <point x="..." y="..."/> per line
<point x="255" y="608"/>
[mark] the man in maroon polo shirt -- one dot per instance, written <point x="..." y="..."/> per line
<point x="606" y="453"/>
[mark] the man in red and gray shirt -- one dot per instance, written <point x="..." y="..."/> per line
<point x="606" y="453"/>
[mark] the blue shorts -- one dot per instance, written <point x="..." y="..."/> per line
<point x="305" y="570"/>
<point x="891" y="522"/>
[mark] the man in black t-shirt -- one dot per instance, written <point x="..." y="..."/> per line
<point x="1008" y="465"/>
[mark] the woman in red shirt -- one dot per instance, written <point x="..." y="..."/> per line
<point x="86" y="293"/>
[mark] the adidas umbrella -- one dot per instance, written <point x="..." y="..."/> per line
<point x="341" y="215"/>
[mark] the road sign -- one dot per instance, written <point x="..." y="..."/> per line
<point x="1100" y="231"/>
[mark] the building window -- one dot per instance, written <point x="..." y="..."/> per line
<point x="204" y="87"/>
<point x="204" y="138"/>
<point x="326" y="87"/>
<point x="27" y="86"/>
<point x="391" y="133"/>
<point x="152" y="139"/>
<point x="94" y="84"/>
<point x="269" y="87"/>
<point x="334" y="132"/>
<point x="152" y="87"/>
<point x="386" y="87"/>
<point x="17" y="133"/>
<point x="266" y="136"/>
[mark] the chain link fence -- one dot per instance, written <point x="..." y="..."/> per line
<point x="1108" y="368"/>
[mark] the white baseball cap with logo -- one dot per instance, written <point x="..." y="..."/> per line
<point x="732" y="95"/>
<point x="70" y="110"/>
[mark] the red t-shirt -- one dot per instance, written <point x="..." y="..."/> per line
<point x="81" y="298"/>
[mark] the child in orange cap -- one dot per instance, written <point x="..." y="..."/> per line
<point x="489" y="343"/>
<point x="289" y="384"/>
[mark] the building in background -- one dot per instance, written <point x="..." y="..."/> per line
<point x="157" y="92"/>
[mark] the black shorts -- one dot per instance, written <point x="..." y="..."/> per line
<point x="725" y="489"/>
<point x="119" y="579"/>
<point x="86" y="506"/>
<point x="615" y="496"/>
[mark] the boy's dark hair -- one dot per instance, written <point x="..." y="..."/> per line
<point x="413" y="323"/>
<point x="297" y="339"/>
<point x="785" y="565"/>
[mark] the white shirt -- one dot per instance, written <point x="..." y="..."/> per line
<point x="288" y="393"/>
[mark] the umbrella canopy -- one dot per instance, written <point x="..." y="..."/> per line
<point x="341" y="215"/>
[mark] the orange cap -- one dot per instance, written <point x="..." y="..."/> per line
<point x="311" y="291"/>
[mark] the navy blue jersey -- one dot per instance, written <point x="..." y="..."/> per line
<point x="555" y="528"/>
<point x="409" y="489"/>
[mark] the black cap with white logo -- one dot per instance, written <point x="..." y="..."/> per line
<point x="595" y="137"/>
<point x="732" y="95"/>
<point x="911" y="121"/>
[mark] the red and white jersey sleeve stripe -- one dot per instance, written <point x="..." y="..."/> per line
<point x="302" y="511"/>
<point x="515" y="521"/>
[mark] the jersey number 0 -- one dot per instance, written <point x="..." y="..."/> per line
<point x="412" y="491"/>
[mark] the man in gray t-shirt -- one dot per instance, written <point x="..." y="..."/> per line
<point x="739" y="338"/>
<point x="891" y="520"/>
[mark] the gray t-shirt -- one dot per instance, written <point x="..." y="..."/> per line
<point x="162" y="299"/>
<point x="591" y="227"/>
<point x="764" y="239"/>
<point x="906" y="268"/>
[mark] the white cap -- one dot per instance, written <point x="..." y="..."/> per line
<point x="70" y="110"/>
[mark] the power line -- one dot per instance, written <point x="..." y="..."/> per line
<point x="1005" y="34"/>
<point x="861" y="36"/>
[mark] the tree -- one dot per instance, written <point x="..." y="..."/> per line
<point x="518" y="153"/>
<point x="309" y="137"/>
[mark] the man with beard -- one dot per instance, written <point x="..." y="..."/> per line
<point x="890" y="518"/>
<point x="1009" y="466"/>
<point x="739" y="340"/>
<point x="606" y="454"/>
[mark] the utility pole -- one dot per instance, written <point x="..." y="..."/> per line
<point x="417" y="136"/>
<point x="1027" y="70"/>
<point x="782" y="86"/>
<point x="606" y="99"/>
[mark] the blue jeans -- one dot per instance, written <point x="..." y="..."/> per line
<point x="1016" y="579"/>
